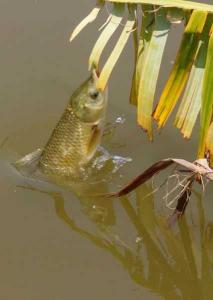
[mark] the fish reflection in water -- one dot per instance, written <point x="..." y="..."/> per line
<point x="103" y="169"/>
<point x="173" y="263"/>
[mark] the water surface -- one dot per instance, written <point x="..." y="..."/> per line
<point x="54" y="244"/>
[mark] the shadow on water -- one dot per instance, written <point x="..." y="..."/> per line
<point x="174" y="263"/>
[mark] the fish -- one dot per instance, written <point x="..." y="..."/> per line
<point x="77" y="135"/>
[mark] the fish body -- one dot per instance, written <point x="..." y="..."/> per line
<point x="78" y="133"/>
<point x="76" y="136"/>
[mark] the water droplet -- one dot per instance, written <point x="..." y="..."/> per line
<point x="120" y="120"/>
<point x="138" y="240"/>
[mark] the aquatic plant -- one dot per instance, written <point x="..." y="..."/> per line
<point x="190" y="82"/>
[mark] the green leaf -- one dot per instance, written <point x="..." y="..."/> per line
<point x="150" y="71"/>
<point x="188" y="70"/>
<point x="207" y="98"/>
<point x="89" y="19"/>
<point x="115" y="20"/>
<point x="180" y="72"/>
<point x="143" y="45"/>
<point x="113" y="58"/>
<point x="171" y="3"/>
<point x="191" y="102"/>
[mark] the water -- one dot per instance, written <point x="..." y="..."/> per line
<point x="56" y="244"/>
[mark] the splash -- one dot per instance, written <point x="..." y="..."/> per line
<point x="104" y="157"/>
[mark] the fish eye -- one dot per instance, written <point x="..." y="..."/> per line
<point x="94" y="94"/>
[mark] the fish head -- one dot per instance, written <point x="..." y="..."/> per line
<point x="88" y="102"/>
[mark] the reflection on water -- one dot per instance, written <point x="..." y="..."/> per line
<point x="94" y="248"/>
<point x="103" y="169"/>
<point x="160" y="258"/>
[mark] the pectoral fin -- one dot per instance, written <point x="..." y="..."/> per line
<point x="94" y="141"/>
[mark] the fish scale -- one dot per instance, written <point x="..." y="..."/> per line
<point x="68" y="145"/>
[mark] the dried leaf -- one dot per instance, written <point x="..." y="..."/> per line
<point x="142" y="178"/>
<point x="200" y="167"/>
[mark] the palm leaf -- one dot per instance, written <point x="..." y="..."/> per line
<point x="182" y="67"/>
<point x="109" y="65"/>
<point x="191" y="102"/>
<point x="142" y="46"/>
<point x="151" y="65"/>
<point x="191" y="74"/>
<point x="171" y="3"/>
<point x="114" y="21"/>
<point x="207" y="98"/>
<point x="89" y="19"/>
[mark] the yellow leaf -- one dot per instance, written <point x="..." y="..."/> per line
<point x="109" y="65"/>
<point x="89" y="19"/>
<point x="114" y="22"/>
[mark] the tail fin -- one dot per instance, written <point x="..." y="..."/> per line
<point x="29" y="163"/>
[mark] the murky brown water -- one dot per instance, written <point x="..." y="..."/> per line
<point x="55" y="245"/>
